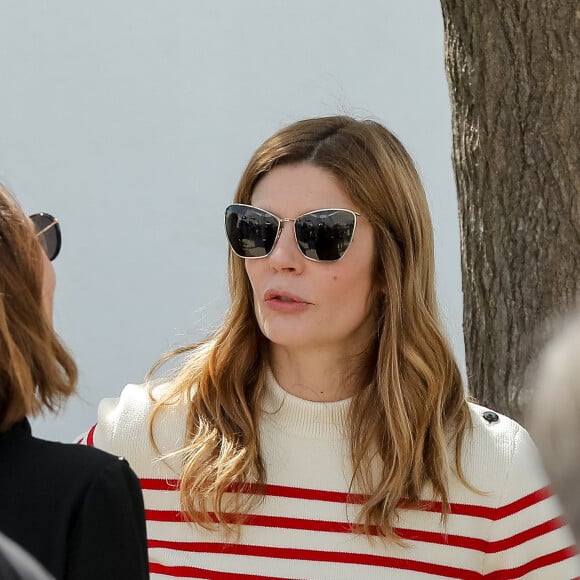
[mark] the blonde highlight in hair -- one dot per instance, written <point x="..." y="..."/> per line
<point x="36" y="371"/>
<point x="410" y="404"/>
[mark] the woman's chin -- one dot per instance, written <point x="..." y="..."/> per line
<point x="290" y="338"/>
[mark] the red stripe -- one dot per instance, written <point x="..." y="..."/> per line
<point x="454" y="540"/>
<point x="477" y="511"/>
<point x="90" y="436"/>
<point x="271" y="490"/>
<point x="485" y="546"/>
<point x="523" y="503"/>
<point x="541" y="562"/>
<point x="496" y="513"/>
<point x="320" y="556"/>
<point x="164" y="516"/>
<point x="160" y="484"/>
<point x="527" y="535"/>
<point x="191" y="572"/>
<point x="514" y="574"/>
<point x="300" y="493"/>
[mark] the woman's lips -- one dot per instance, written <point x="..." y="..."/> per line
<point x="282" y="301"/>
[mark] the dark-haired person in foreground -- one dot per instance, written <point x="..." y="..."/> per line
<point x="78" y="511"/>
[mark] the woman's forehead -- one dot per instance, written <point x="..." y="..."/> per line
<point x="292" y="190"/>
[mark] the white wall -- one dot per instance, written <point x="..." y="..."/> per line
<point x="131" y="121"/>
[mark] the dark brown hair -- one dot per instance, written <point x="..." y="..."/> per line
<point x="36" y="371"/>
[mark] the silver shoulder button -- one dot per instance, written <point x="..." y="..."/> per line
<point x="491" y="417"/>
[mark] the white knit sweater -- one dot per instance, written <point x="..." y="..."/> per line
<point x="302" y="530"/>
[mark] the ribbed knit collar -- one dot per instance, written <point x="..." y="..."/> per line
<point x="302" y="418"/>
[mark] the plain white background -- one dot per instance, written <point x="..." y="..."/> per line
<point x="132" y="121"/>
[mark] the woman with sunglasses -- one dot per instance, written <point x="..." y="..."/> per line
<point x="323" y="430"/>
<point x="78" y="511"/>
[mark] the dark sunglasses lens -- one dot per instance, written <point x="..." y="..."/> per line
<point x="251" y="231"/>
<point x="325" y="235"/>
<point x="50" y="239"/>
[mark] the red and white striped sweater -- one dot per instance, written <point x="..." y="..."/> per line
<point x="302" y="528"/>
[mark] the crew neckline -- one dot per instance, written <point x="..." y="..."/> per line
<point x="303" y="418"/>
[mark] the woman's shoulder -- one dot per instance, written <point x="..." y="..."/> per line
<point x="91" y="467"/>
<point x="73" y="465"/>
<point x="138" y="396"/>
<point x="135" y="401"/>
<point x="498" y="453"/>
<point x="123" y="425"/>
<point x="512" y="500"/>
<point x="68" y="470"/>
<point x="489" y="425"/>
<point x="69" y="456"/>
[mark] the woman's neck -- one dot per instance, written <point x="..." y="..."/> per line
<point x="314" y="375"/>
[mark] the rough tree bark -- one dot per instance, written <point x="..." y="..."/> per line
<point x="514" y="75"/>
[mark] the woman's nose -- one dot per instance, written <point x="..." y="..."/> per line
<point x="286" y="254"/>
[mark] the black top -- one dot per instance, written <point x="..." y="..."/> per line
<point x="78" y="510"/>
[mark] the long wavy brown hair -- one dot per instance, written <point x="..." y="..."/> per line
<point x="411" y="403"/>
<point x="36" y="371"/>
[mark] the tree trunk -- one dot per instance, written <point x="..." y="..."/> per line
<point x="514" y="69"/>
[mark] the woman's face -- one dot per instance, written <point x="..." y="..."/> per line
<point x="327" y="305"/>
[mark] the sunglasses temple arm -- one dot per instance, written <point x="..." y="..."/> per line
<point x="45" y="229"/>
